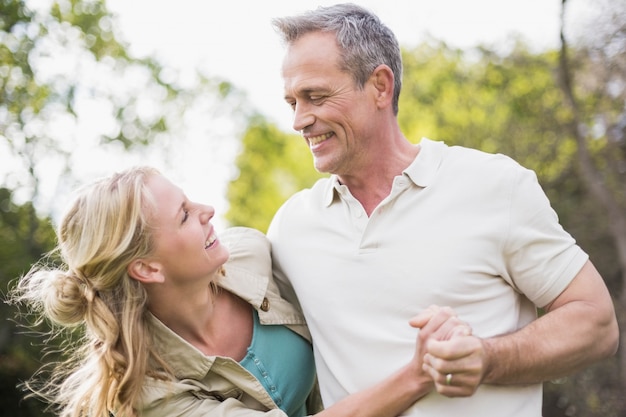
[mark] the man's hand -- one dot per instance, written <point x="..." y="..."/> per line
<point x="454" y="359"/>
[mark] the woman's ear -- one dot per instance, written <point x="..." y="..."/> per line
<point x="145" y="271"/>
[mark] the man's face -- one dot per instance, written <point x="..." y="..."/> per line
<point x="330" y="110"/>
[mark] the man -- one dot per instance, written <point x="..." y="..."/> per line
<point x="398" y="227"/>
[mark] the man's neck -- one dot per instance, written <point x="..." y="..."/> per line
<point x="373" y="183"/>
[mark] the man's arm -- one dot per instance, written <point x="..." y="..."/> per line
<point x="578" y="329"/>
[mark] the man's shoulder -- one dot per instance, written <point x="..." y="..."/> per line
<point x="306" y="203"/>
<point x="319" y="190"/>
<point x="474" y="161"/>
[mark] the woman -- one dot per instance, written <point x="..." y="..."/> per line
<point x="176" y="324"/>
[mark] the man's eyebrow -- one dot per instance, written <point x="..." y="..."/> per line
<point x="306" y="91"/>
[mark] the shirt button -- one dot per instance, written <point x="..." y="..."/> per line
<point x="265" y="305"/>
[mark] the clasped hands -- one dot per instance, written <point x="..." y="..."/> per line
<point x="448" y="353"/>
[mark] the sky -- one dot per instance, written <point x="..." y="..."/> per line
<point x="234" y="40"/>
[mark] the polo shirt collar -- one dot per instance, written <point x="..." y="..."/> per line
<point x="331" y="186"/>
<point x="422" y="170"/>
<point x="425" y="166"/>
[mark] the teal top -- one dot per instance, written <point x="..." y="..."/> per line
<point x="283" y="362"/>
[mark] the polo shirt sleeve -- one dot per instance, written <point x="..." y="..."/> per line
<point x="541" y="257"/>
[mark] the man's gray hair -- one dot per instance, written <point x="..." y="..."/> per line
<point x="365" y="41"/>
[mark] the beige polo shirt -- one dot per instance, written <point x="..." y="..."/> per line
<point x="460" y="228"/>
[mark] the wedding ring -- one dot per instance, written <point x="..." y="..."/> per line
<point x="448" y="379"/>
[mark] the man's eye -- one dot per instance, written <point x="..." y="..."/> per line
<point x="185" y="215"/>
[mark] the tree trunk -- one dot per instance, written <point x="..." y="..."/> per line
<point x="597" y="188"/>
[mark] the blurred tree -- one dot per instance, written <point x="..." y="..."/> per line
<point x="592" y="77"/>
<point x="273" y="166"/>
<point x="24" y="238"/>
<point x="487" y="101"/>
<point x="67" y="82"/>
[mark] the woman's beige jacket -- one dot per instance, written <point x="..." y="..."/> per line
<point x="218" y="386"/>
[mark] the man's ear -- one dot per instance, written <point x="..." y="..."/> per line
<point x="382" y="80"/>
<point x="145" y="271"/>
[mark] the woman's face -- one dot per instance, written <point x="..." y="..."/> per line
<point x="186" y="245"/>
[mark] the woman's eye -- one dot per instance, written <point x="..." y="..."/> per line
<point x="185" y="215"/>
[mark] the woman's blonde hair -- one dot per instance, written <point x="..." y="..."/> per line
<point x="106" y="227"/>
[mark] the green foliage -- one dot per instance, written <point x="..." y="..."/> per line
<point x="57" y="57"/>
<point x="508" y="104"/>
<point x="94" y="21"/>
<point x="24" y="238"/>
<point x="272" y="167"/>
<point x="64" y="56"/>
